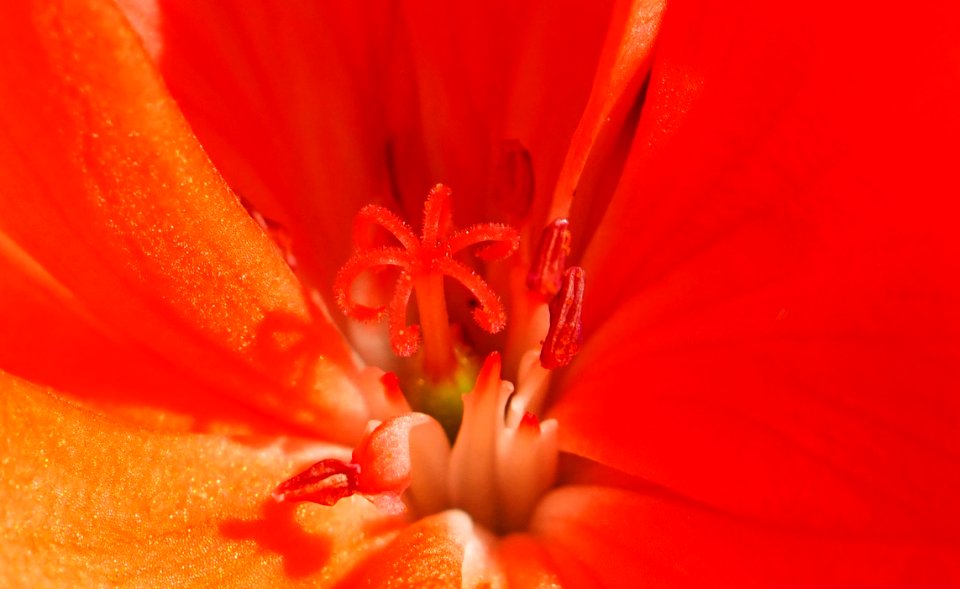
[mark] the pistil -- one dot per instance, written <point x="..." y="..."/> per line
<point x="438" y="343"/>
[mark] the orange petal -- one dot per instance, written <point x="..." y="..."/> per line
<point x="628" y="539"/>
<point x="428" y="553"/>
<point x="49" y="338"/>
<point x="88" y="503"/>
<point x="103" y="184"/>
<point x="527" y="563"/>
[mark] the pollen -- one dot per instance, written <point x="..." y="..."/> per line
<point x="546" y="272"/>
<point x="565" y="336"/>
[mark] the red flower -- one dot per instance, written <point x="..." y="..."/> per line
<point x="767" y="389"/>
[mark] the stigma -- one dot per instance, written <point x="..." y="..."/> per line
<point x="423" y="263"/>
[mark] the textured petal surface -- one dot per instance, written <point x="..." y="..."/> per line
<point x="105" y="188"/>
<point x="287" y="99"/>
<point x="771" y="325"/>
<point x="91" y="503"/>
<point x="49" y="337"/>
<point x="428" y="553"/>
<point x="314" y="109"/>
<point x="613" y="538"/>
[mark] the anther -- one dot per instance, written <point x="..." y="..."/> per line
<point x="380" y="469"/>
<point x="424" y="262"/>
<point x="546" y="272"/>
<point x="326" y="482"/>
<point x="565" y="335"/>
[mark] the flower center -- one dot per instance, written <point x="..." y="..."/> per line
<point x="423" y="263"/>
<point x="454" y="434"/>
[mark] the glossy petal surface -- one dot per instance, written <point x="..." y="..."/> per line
<point x="614" y="538"/>
<point x="773" y="329"/>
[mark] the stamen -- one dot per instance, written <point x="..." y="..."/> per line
<point x="546" y="272"/>
<point x="423" y="264"/>
<point x="381" y="468"/>
<point x="529" y="455"/>
<point x="565" y="335"/>
<point x="326" y="482"/>
<point x="473" y="461"/>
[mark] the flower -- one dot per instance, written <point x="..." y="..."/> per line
<point x="766" y="393"/>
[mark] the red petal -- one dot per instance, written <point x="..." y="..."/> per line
<point x="483" y="74"/>
<point x="102" y="183"/>
<point x="772" y="327"/>
<point x="620" y="538"/>
<point x="284" y="97"/>
<point x="591" y="167"/>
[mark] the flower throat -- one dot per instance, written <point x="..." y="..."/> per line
<point x="444" y="369"/>
<point x="454" y="433"/>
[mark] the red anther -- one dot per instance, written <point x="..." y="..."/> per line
<point x="326" y="482"/>
<point x="423" y="263"/>
<point x="565" y="335"/>
<point x="529" y="423"/>
<point x="391" y="386"/>
<point x="380" y="468"/>
<point x="546" y="272"/>
<point x="513" y="181"/>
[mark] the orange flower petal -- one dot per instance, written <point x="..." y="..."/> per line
<point x="103" y="184"/>
<point x="625" y="539"/>
<point x="772" y="327"/>
<point x="527" y="563"/>
<point x="49" y="338"/>
<point x="89" y="503"/>
<point x="428" y="553"/>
